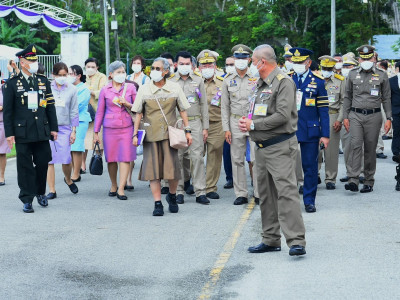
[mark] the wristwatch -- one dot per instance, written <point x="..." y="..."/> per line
<point x="188" y="131"/>
<point x="390" y="119"/>
<point x="252" y="125"/>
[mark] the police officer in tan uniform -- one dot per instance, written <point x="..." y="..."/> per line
<point x="215" y="142"/>
<point x="335" y="87"/>
<point x="273" y="128"/>
<point x="367" y="87"/>
<point x="192" y="84"/>
<point x="236" y="90"/>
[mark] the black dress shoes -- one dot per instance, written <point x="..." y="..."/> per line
<point x="3" y="183"/>
<point x="42" y="200"/>
<point x="82" y="171"/>
<point x="51" y="196"/>
<point x="180" y="199"/>
<point x="77" y="180"/>
<point x="240" y="201"/>
<point x="261" y="248"/>
<point x="164" y="190"/>
<point x="158" y="209"/>
<point x="351" y="187"/>
<point x="28" y="208"/>
<point x="344" y="179"/>
<point x="297" y="250"/>
<point x="212" y="195"/>
<point x="202" y="199"/>
<point x="366" y="189"/>
<point x="112" y="194"/>
<point x="190" y="190"/>
<point x="381" y="155"/>
<point x="330" y="186"/>
<point x="361" y="179"/>
<point x="173" y="206"/>
<point x="122" y="197"/>
<point x="129" y="188"/>
<point x="72" y="187"/>
<point x="396" y="158"/>
<point x="310" y="208"/>
<point x="301" y="190"/>
<point x="257" y="200"/>
<point x="228" y="184"/>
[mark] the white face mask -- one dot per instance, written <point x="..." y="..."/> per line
<point x="338" y="66"/>
<point x="230" y="69"/>
<point x="184" y="69"/>
<point x="156" y="76"/>
<point x="171" y="70"/>
<point x="345" y="72"/>
<point x="71" y="79"/>
<point x="90" y="71"/>
<point x="241" y="64"/>
<point x="299" y="69"/>
<point x="326" y="74"/>
<point x="120" y="78"/>
<point x="366" y="65"/>
<point x="136" y="68"/>
<point x="33" y="67"/>
<point x="288" y="65"/>
<point x="61" y="80"/>
<point x="254" y="70"/>
<point x="207" y="73"/>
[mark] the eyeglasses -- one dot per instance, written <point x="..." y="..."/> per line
<point x="156" y="68"/>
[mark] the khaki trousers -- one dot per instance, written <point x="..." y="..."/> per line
<point x="194" y="154"/>
<point x="331" y="154"/>
<point x="238" y="155"/>
<point x="364" y="131"/>
<point x="346" y="147"/>
<point x="215" y="147"/>
<point x="299" y="167"/>
<point x="279" y="198"/>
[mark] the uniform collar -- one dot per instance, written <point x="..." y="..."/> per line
<point x="271" y="76"/>
<point x="167" y="87"/>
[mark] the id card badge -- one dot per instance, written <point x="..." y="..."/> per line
<point x="191" y="99"/>
<point x="331" y="98"/>
<point x="116" y="102"/>
<point x="216" y="102"/>
<point x="299" y="98"/>
<point x="32" y="100"/>
<point x="261" y="110"/>
<point x="310" y="102"/>
<point x="60" y="102"/>
<point x="374" y="92"/>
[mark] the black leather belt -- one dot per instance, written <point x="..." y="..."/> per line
<point x="366" y="111"/>
<point x="275" y="140"/>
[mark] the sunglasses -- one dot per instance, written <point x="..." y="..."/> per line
<point x="156" y="68"/>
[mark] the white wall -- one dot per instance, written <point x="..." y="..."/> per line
<point x="74" y="48"/>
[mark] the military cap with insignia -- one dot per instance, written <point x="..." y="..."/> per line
<point x="366" y="51"/>
<point x="29" y="53"/>
<point x="327" y="61"/>
<point x="300" y="54"/>
<point x="207" y="56"/>
<point x="241" y="51"/>
<point x="348" y="59"/>
<point x="287" y="52"/>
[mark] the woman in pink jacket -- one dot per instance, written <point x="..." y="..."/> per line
<point x="115" y="99"/>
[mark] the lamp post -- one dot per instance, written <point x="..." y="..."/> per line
<point x="106" y="36"/>
<point x="333" y="27"/>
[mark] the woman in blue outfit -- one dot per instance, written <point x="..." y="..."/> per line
<point x="76" y="77"/>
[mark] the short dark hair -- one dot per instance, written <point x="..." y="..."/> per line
<point x="167" y="55"/>
<point x="142" y="61"/>
<point x="338" y="54"/>
<point x="384" y="64"/>
<point x="58" y="67"/>
<point x="397" y="65"/>
<point x="78" y="71"/>
<point x="183" y="54"/>
<point x="314" y="66"/>
<point x="41" y="70"/>
<point x="92" y="59"/>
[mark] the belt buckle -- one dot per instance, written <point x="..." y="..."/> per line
<point x="364" y="112"/>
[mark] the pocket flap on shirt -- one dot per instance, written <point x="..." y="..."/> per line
<point x="20" y="123"/>
<point x="313" y="124"/>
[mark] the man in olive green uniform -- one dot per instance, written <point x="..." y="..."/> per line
<point x="273" y="128"/>
<point x="236" y="90"/>
<point x="216" y="137"/>
<point x="29" y="121"/>
<point x="367" y="87"/>
<point x="193" y="86"/>
<point x="335" y="87"/>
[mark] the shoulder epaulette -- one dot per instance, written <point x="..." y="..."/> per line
<point x="319" y="76"/>
<point x="338" y="76"/>
<point x="197" y="73"/>
<point x="290" y="73"/>
<point x="220" y="78"/>
<point x="171" y="76"/>
<point x="280" y="77"/>
<point x="220" y="70"/>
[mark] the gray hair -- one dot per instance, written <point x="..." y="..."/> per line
<point x="164" y="61"/>
<point x="265" y="51"/>
<point x="194" y="62"/>
<point x="115" y="66"/>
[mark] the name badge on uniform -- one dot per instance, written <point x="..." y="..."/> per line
<point x="299" y="98"/>
<point x="331" y="98"/>
<point x="374" y="92"/>
<point x="115" y="101"/>
<point x="260" y="109"/>
<point x="60" y="102"/>
<point x="216" y="100"/>
<point x="191" y="99"/>
<point x="32" y="100"/>
<point x="43" y="103"/>
<point x="310" y="102"/>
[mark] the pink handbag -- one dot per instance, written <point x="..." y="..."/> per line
<point x="177" y="136"/>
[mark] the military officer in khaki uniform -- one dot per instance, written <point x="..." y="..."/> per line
<point x="335" y="87"/>
<point x="216" y="137"/>
<point x="367" y="87"/>
<point x="273" y="128"/>
<point x="192" y="84"/>
<point x="236" y="90"/>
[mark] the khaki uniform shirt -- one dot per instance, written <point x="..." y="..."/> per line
<point x="278" y="91"/>
<point x="235" y="96"/>
<point x="95" y="84"/>
<point x="213" y="91"/>
<point x="335" y="87"/>
<point x="367" y="90"/>
<point x="170" y="97"/>
<point x="193" y="88"/>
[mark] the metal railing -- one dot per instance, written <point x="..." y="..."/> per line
<point x="47" y="60"/>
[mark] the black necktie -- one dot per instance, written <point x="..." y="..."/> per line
<point x="30" y="81"/>
<point x="301" y="79"/>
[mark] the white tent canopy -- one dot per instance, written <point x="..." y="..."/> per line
<point x="7" y="52"/>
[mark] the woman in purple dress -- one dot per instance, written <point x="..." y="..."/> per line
<point x="4" y="149"/>
<point x="115" y="99"/>
<point x="66" y="102"/>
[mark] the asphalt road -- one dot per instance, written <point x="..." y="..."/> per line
<point x="91" y="246"/>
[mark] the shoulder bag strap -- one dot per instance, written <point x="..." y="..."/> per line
<point x="159" y="105"/>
